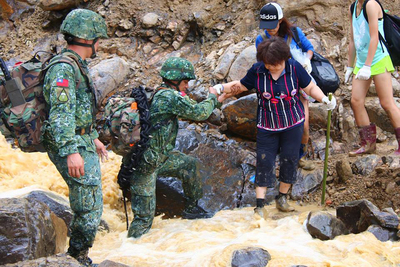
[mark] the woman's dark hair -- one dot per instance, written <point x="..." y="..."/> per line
<point x="285" y="28"/>
<point x="273" y="51"/>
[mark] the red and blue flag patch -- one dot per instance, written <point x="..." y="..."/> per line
<point x="62" y="82"/>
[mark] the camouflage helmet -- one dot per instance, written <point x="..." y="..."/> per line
<point x="84" y="24"/>
<point x="177" y="69"/>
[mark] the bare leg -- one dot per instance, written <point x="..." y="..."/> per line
<point x="358" y="94"/>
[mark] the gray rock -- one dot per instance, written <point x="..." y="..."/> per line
<point x="358" y="215"/>
<point x="107" y="75"/>
<point x="108" y="263"/>
<point x="325" y="226"/>
<point x="306" y="182"/>
<point x="250" y="257"/>
<point x="27" y="231"/>
<point x="383" y="234"/>
<point x="52" y="261"/>
<point x="150" y="20"/>
<point x="366" y="164"/>
<point x="242" y="63"/>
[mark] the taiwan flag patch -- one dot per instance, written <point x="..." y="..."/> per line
<point x="62" y="82"/>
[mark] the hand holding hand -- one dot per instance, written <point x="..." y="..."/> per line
<point x="76" y="165"/>
<point x="212" y="90"/>
<point x="101" y="150"/>
<point x="330" y="104"/>
<point x="364" y="73"/>
<point x="348" y="75"/>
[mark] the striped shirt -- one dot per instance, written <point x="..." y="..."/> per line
<point x="279" y="105"/>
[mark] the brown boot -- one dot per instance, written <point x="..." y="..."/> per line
<point x="368" y="141"/>
<point x="262" y="212"/>
<point x="397" y="132"/>
<point x="282" y="205"/>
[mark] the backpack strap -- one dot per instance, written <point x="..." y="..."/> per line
<point x="296" y="37"/>
<point x="263" y="35"/>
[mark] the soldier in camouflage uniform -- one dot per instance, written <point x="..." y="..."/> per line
<point x="69" y="135"/>
<point x="159" y="159"/>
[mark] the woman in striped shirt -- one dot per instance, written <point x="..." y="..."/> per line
<point x="280" y="115"/>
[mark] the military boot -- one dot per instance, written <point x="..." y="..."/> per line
<point x="368" y="141"/>
<point x="82" y="257"/>
<point x="282" y="204"/>
<point x="193" y="211"/>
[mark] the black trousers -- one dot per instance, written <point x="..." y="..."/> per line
<point x="269" y="144"/>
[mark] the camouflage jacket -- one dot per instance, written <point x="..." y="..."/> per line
<point x="167" y="105"/>
<point x="70" y="108"/>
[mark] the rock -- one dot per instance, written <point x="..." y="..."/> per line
<point x="358" y="215"/>
<point x="325" y="226"/>
<point x="306" y="182"/>
<point x="108" y="263"/>
<point x="52" y="261"/>
<point x="383" y="234"/>
<point x="27" y="231"/>
<point x="250" y="257"/>
<point x="391" y="188"/>
<point x="242" y="63"/>
<point x="224" y="63"/>
<point x="241" y="116"/>
<point x="366" y="164"/>
<point x="343" y="170"/>
<point x="318" y="115"/>
<point x="107" y="76"/>
<point x="150" y="20"/>
<point x="377" y="115"/>
<point x="58" y="204"/>
<point x="52" y="5"/>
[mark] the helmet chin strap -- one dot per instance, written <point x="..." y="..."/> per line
<point x="176" y="85"/>
<point x="87" y="45"/>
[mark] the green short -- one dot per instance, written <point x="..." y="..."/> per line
<point x="383" y="65"/>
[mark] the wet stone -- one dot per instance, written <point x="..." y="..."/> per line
<point x="325" y="226"/>
<point x="250" y="257"/>
<point x="383" y="234"/>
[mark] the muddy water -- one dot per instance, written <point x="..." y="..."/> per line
<point x="177" y="242"/>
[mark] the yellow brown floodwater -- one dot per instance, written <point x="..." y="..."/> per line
<point x="206" y="242"/>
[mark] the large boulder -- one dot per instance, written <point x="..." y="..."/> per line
<point x="325" y="226"/>
<point x="27" y="230"/>
<point x="358" y="215"/>
<point x="242" y="63"/>
<point x="107" y="76"/>
<point x="241" y="116"/>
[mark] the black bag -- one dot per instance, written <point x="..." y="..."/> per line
<point x="391" y="28"/>
<point x="323" y="71"/>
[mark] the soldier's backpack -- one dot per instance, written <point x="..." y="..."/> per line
<point x="391" y="28"/>
<point x="24" y="122"/>
<point x="127" y="120"/>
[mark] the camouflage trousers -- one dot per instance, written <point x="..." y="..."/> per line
<point x="143" y="187"/>
<point x="85" y="198"/>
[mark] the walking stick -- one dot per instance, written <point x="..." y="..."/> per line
<point x="328" y="137"/>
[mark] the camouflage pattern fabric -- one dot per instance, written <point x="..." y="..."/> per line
<point x="70" y="108"/>
<point x="177" y="69"/>
<point x="160" y="159"/>
<point x="85" y="197"/>
<point x="84" y="24"/>
<point x="122" y="124"/>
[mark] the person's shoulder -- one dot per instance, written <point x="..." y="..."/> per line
<point x="60" y="69"/>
